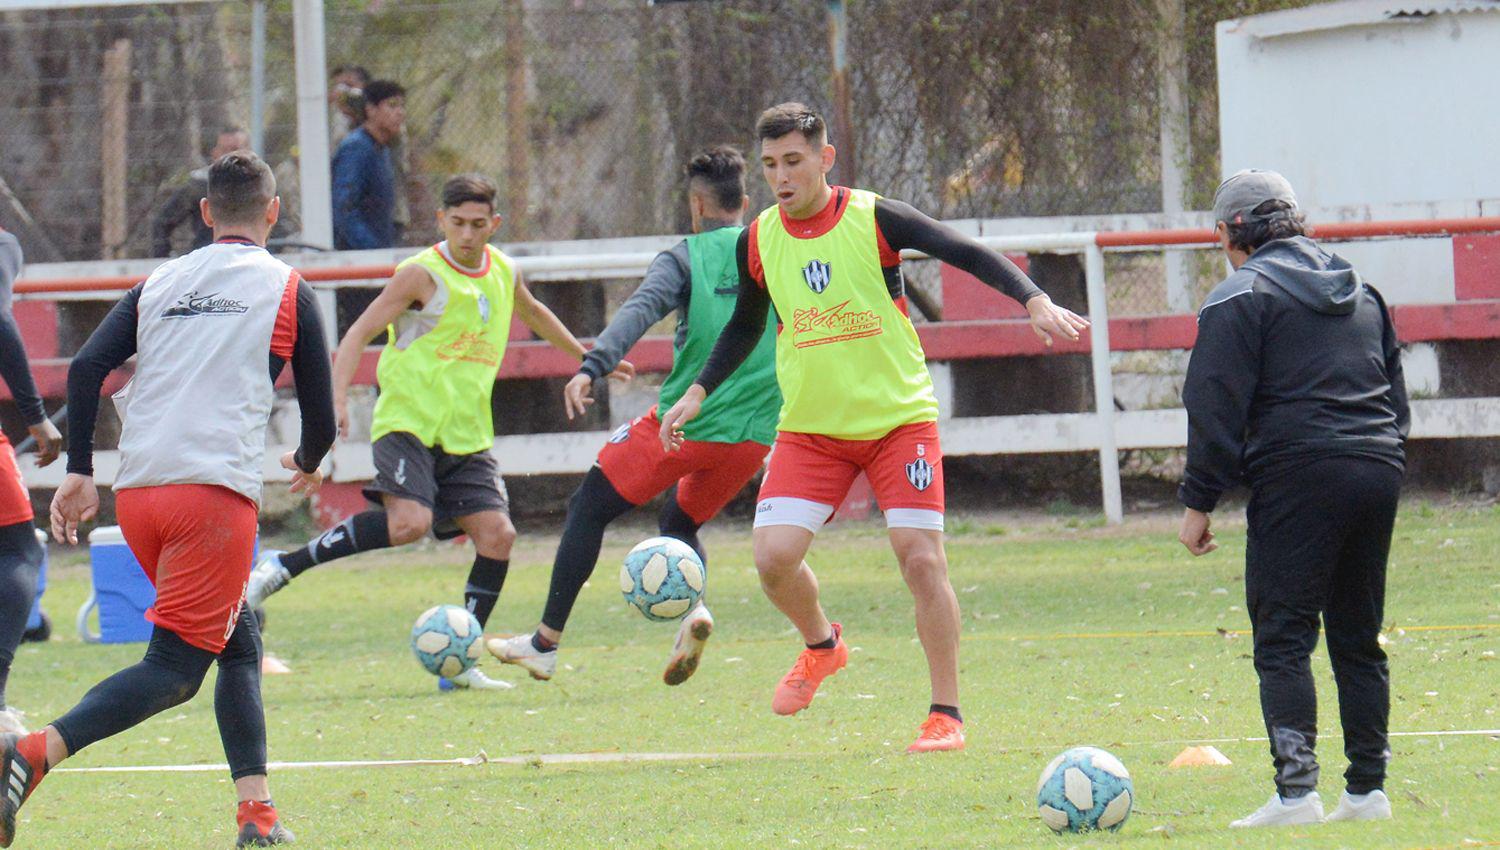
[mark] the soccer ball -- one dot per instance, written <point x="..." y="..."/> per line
<point x="447" y="640"/>
<point x="663" y="577"/>
<point x="1084" y="789"/>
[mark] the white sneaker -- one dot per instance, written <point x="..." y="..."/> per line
<point x="474" y="678"/>
<point x="10" y="721"/>
<point x="691" y="635"/>
<point x="1372" y="806"/>
<point x="266" y="578"/>
<point x="519" y="650"/>
<point x="1278" y="812"/>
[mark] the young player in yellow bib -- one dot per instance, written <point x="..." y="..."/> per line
<point x="447" y="312"/>
<point x="857" y="393"/>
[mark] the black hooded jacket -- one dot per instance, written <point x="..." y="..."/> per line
<point x="1296" y="360"/>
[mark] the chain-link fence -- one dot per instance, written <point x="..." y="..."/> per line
<point x="584" y="110"/>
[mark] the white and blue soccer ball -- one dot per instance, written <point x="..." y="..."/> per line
<point x="663" y="577"/>
<point x="1084" y="789"/>
<point x="447" y="640"/>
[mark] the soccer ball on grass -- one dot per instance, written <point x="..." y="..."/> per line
<point x="1084" y="789"/>
<point x="447" y="640"/>
<point x="662" y="577"/>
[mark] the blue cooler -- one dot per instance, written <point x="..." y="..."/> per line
<point x="122" y="593"/>
<point x="35" y="620"/>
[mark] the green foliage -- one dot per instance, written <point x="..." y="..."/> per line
<point x="1038" y="676"/>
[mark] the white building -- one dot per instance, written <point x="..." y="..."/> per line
<point x="1382" y="108"/>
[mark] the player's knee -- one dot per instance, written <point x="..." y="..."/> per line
<point x="408" y="525"/>
<point x="924" y="567"/>
<point x="494" y="538"/>
<point x="776" y="562"/>
<point x="184" y="688"/>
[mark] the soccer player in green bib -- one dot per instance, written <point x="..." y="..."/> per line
<point x="447" y="315"/>
<point x="858" y="397"/>
<point x="724" y="446"/>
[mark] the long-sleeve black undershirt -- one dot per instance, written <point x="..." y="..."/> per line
<point x="114" y="342"/>
<point x="903" y="227"/>
<point x="14" y="367"/>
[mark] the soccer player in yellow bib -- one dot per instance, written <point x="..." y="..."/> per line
<point x="858" y="397"/>
<point x="447" y="311"/>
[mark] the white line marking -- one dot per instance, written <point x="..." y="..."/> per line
<point x="627" y="758"/>
<point x="472" y="761"/>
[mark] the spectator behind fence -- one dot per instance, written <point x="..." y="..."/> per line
<point x="364" y="177"/>
<point x="346" y="94"/>
<point x="181" y="207"/>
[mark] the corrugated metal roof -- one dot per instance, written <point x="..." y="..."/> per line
<point x="1441" y="8"/>
<point x="1351" y="13"/>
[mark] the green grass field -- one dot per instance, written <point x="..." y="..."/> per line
<point x="1056" y="612"/>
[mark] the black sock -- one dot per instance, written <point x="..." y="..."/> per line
<point x="20" y="560"/>
<point x="833" y="640"/>
<point x="486" y="578"/>
<point x="541" y="644"/>
<point x="674" y="522"/>
<point x="169" y="675"/>
<point x="594" y="505"/>
<point x="237" y="703"/>
<point x="950" y="710"/>
<point x="362" y="532"/>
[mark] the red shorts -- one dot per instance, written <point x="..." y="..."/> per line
<point x="15" y="502"/>
<point x="810" y="474"/>
<point x="707" y="475"/>
<point x="195" y="542"/>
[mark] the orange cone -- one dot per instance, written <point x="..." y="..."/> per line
<point x="1200" y="757"/>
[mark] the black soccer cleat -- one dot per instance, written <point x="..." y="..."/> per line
<point x="41" y="634"/>
<point x="251" y="836"/>
<point x="19" y="776"/>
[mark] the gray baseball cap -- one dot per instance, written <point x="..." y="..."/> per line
<point x="1236" y="198"/>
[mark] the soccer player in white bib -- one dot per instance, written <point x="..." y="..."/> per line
<point x="210" y="332"/>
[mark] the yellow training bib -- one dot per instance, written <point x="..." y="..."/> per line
<point x="848" y="360"/>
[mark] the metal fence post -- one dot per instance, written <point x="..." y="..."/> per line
<point x="258" y="77"/>
<point x="1104" y="389"/>
<point x="312" y="123"/>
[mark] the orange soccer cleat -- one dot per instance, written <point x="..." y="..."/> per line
<point x="796" y="689"/>
<point x="939" y="732"/>
<point x="260" y="826"/>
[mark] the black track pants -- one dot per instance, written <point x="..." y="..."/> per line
<point x="1319" y="539"/>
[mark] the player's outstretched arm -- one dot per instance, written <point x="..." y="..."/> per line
<point x="904" y="226"/>
<point x="110" y="345"/>
<point x="14" y="367"/>
<point x="739" y="337"/>
<point x="545" y="324"/>
<point x="410" y="286"/>
<point x="666" y="287"/>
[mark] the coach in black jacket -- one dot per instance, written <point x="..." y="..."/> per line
<point x="1295" y="389"/>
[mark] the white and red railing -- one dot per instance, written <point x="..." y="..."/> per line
<point x="977" y="325"/>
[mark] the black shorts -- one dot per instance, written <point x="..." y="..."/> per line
<point x="450" y="486"/>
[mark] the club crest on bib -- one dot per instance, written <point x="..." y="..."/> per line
<point x="484" y="309"/>
<point x="817" y="274"/>
<point x="622" y="433"/>
<point x="919" y="472"/>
